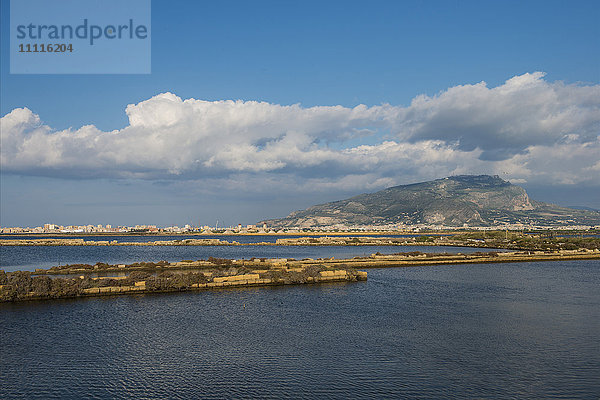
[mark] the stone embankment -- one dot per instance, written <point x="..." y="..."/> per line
<point x="233" y="281"/>
<point x="414" y="259"/>
<point x="522" y="242"/>
<point x="21" y="285"/>
<point x="215" y="273"/>
<point x="377" y="260"/>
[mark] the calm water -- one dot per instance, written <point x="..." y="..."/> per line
<point x="520" y="330"/>
<point x="28" y="258"/>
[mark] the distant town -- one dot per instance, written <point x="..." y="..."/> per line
<point x="264" y="229"/>
<point x="54" y="228"/>
<point x="463" y="202"/>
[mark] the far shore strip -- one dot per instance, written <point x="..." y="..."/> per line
<point x="373" y="261"/>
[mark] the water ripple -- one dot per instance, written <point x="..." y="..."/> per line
<point x="512" y="331"/>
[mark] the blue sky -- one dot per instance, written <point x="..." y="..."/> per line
<point x="316" y="54"/>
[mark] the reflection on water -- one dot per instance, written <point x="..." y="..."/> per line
<point x="518" y="330"/>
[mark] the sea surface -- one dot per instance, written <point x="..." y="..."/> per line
<point x="28" y="258"/>
<point x="516" y="330"/>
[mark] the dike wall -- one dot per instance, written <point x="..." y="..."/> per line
<point x="233" y="281"/>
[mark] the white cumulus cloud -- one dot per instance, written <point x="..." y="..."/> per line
<point x="528" y="129"/>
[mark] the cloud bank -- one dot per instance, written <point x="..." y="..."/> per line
<point x="527" y="129"/>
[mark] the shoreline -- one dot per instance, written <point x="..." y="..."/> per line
<point x="409" y="232"/>
<point x="78" y="280"/>
<point x="23" y="286"/>
<point x="527" y="243"/>
<point x="141" y="289"/>
<point x="407" y="259"/>
<point x="393" y="261"/>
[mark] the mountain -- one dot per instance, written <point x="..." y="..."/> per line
<point x="473" y="200"/>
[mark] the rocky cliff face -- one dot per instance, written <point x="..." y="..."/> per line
<point x="480" y="200"/>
